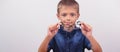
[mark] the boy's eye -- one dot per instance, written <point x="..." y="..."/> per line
<point x="72" y="14"/>
<point x="64" y="14"/>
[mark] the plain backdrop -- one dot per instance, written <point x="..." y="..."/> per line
<point x="24" y="23"/>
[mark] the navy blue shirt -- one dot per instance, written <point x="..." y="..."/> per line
<point x="73" y="41"/>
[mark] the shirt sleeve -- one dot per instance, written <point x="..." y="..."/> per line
<point x="50" y="45"/>
<point x="87" y="44"/>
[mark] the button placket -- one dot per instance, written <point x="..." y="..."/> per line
<point x="68" y="44"/>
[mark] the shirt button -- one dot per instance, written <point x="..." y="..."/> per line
<point x="68" y="38"/>
<point x="67" y="50"/>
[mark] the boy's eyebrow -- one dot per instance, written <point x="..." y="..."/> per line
<point x="64" y="13"/>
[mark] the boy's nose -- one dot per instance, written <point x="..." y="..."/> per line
<point x="68" y="17"/>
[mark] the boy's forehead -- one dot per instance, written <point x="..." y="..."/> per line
<point x="70" y="8"/>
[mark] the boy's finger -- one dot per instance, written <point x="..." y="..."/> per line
<point x="83" y="28"/>
<point x="86" y="26"/>
<point x="56" y="26"/>
<point x="82" y="23"/>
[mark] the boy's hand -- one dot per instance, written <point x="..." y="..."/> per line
<point x="52" y="30"/>
<point x="86" y="29"/>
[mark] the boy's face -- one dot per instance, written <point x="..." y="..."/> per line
<point x="68" y="15"/>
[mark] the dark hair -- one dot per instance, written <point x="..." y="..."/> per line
<point x="71" y="3"/>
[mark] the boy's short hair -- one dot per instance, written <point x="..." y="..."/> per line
<point x="71" y="3"/>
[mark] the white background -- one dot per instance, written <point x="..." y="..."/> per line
<point x="24" y="23"/>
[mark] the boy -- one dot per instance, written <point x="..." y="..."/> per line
<point x="69" y="38"/>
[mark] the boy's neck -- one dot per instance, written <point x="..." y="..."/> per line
<point x="69" y="29"/>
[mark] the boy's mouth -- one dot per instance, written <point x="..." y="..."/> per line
<point x="67" y="23"/>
